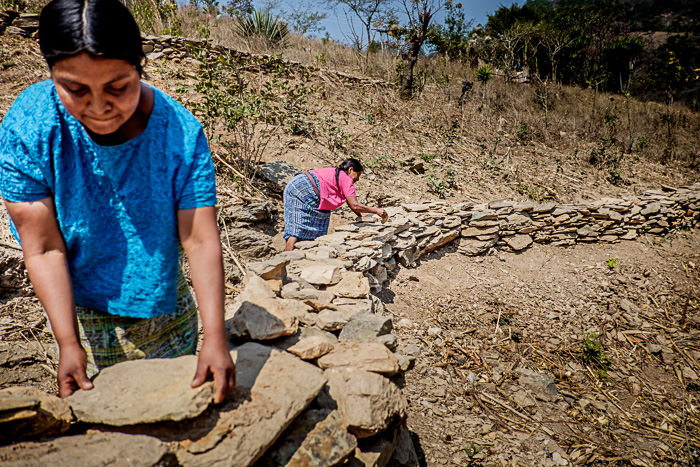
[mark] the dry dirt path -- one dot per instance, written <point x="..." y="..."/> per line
<point x="481" y="384"/>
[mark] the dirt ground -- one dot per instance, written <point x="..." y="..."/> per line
<point x="467" y="388"/>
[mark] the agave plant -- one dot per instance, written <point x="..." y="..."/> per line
<point x="261" y="24"/>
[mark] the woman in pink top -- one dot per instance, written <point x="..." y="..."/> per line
<point x="310" y="197"/>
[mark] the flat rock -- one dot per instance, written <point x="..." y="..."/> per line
<point x="278" y="173"/>
<point x="368" y="402"/>
<point x="367" y="356"/>
<point x="334" y="320"/>
<point x="143" y="391"/>
<point x="365" y="327"/>
<point x="266" y="318"/>
<point x="352" y="285"/>
<point x="272" y="389"/>
<point x="27" y="412"/>
<point x="518" y="242"/>
<point x="273" y="268"/>
<point x="319" y="273"/>
<point x="89" y="449"/>
<point x="311" y="347"/>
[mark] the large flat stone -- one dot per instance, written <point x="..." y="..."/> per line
<point x="90" y="449"/>
<point x="272" y="389"/>
<point x="352" y="285"/>
<point x="143" y="391"/>
<point x="27" y="412"/>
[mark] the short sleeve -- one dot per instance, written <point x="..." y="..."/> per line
<point x="347" y="187"/>
<point x="197" y="185"/>
<point x="21" y="178"/>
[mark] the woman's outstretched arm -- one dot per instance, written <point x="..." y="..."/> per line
<point x="199" y="236"/>
<point x="45" y="258"/>
<point x="359" y="208"/>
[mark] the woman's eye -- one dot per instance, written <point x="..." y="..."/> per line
<point x="79" y="91"/>
<point x="117" y="89"/>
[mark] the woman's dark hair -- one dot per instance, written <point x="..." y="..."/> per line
<point x="351" y="162"/>
<point x="103" y="28"/>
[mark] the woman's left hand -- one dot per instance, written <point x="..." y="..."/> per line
<point x="215" y="360"/>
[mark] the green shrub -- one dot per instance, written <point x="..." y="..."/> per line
<point x="261" y="25"/>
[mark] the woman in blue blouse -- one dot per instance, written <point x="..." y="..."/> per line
<point x="105" y="178"/>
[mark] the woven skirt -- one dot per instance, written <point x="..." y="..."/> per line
<point x="109" y="339"/>
<point x="302" y="218"/>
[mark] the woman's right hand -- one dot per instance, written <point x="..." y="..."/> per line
<point x="383" y="214"/>
<point x="72" y="363"/>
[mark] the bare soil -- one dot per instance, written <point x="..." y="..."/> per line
<point x="481" y="328"/>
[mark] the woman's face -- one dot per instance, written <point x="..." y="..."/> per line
<point x="354" y="175"/>
<point x="102" y="93"/>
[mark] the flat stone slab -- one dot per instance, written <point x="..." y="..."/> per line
<point x="89" y="449"/>
<point x="28" y="412"/>
<point x="265" y="318"/>
<point x="368" y="356"/>
<point x="143" y="391"/>
<point x="272" y="389"/>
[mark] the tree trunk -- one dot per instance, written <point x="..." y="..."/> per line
<point x="410" y="58"/>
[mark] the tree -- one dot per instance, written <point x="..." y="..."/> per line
<point x="451" y="40"/>
<point x="368" y="12"/>
<point x="419" y="14"/>
<point x="305" y="20"/>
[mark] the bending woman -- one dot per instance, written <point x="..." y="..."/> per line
<point x="310" y="197"/>
<point x="105" y="178"/>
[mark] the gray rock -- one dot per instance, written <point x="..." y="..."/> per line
<point x="265" y="318"/>
<point x="143" y="391"/>
<point x="518" y="242"/>
<point x="365" y="327"/>
<point x="253" y="212"/>
<point x="89" y="449"/>
<point x="278" y="173"/>
<point x="333" y="320"/>
<point x="543" y="386"/>
<point x="327" y="444"/>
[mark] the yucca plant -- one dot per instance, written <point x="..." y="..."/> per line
<point x="261" y="25"/>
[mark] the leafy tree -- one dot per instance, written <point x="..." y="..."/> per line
<point x="305" y="20"/>
<point x="451" y="39"/>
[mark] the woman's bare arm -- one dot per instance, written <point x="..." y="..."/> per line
<point x="46" y="262"/>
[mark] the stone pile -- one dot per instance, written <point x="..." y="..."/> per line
<point x="24" y="24"/>
<point x="314" y="359"/>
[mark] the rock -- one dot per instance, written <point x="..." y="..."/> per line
<point x="543" y="386"/>
<point x="249" y="242"/>
<point x="368" y="356"/>
<point x="352" y="285"/>
<point x="478" y="231"/>
<point x="327" y="444"/>
<point x="369" y="403"/>
<point x="374" y="452"/>
<point x="255" y="286"/>
<point x="27" y="412"/>
<point x="253" y="212"/>
<point x="651" y="208"/>
<point x="518" y="242"/>
<point x="475" y="247"/>
<point x="333" y="320"/>
<point x="143" y="391"/>
<point x="89" y="449"/>
<point x="265" y="318"/>
<point x="354" y="305"/>
<point x="690" y="374"/>
<point x="318" y="273"/>
<point x="405" y="452"/>
<point x="273" y="268"/>
<point x="439" y="241"/>
<point x="272" y="389"/>
<point x="311" y="348"/>
<point x="365" y="327"/>
<point x="278" y="174"/>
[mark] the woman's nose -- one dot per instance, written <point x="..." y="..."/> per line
<point x="98" y="104"/>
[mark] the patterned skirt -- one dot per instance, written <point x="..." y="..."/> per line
<point x="302" y="218"/>
<point x="109" y="339"/>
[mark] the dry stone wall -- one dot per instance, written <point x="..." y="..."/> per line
<point x="413" y="230"/>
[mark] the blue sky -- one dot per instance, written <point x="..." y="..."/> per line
<point x="336" y="24"/>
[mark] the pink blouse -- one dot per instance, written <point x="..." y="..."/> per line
<point x="331" y="198"/>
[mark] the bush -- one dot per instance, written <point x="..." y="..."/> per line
<point x="261" y="25"/>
